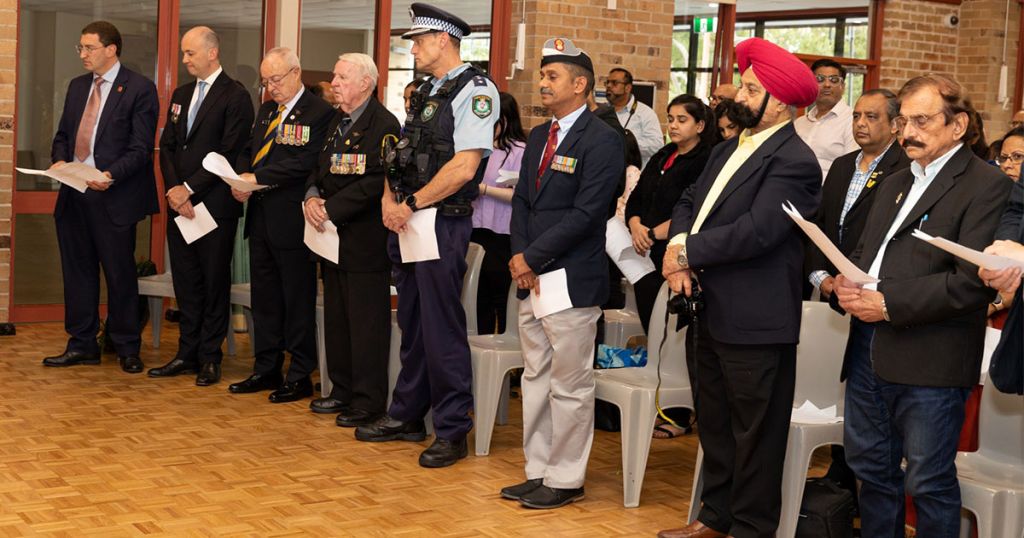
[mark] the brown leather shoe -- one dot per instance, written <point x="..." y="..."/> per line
<point x="693" y="530"/>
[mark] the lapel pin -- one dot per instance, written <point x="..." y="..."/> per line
<point x="120" y="89"/>
<point x="898" y="198"/>
<point x="871" y="183"/>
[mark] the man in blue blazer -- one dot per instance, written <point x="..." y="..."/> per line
<point x="570" y="170"/>
<point x="109" y="122"/>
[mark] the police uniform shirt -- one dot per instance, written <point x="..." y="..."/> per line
<point x="476" y="109"/>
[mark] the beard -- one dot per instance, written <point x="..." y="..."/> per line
<point x="745" y="117"/>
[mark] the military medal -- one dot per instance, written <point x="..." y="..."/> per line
<point x="304" y="136"/>
<point x="563" y="164"/>
<point x="336" y="163"/>
<point x="175" y="112"/>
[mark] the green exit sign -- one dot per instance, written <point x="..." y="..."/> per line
<point x="703" y="25"/>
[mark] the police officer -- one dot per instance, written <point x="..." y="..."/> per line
<point x="438" y="163"/>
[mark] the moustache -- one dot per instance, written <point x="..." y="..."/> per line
<point x="546" y="92"/>
<point x="912" y="143"/>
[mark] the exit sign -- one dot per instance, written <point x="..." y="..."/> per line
<point x="703" y="25"/>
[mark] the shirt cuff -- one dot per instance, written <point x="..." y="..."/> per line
<point x="312" y="192"/>
<point x="679" y="239"/>
<point x="817" y="277"/>
<point x="188" y="188"/>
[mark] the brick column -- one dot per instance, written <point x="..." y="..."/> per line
<point x="8" y="79"/>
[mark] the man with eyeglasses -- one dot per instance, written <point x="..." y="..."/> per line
<point x="722" y="93"/>
<point x="826" y="125"/>
<point x="286" y="140"/>
<point x="635" y="117"/>
<point x="108" y="122"/>
<point x="916" y="337"/>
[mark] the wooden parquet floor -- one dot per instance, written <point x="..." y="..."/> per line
<point x="92" y="451"/>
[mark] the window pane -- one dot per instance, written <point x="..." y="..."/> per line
<point x="856" y="38"/>
<point x="806" y="37"/>
<point x="238" y="27"/>
<point x="329" y="30"/>
<point x="677" y="83"/>
<point x="681" y="47"/>
<point x="705" y="49"/>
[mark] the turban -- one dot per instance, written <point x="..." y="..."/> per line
<point x="783" y="75"/>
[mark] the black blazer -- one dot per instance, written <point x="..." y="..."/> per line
<point x="223" y="125"/>
<point x="833" y="196"/>
<point x="1006" y="368"/>
<point x="125" y="136"/>
<point x="285" y="169"/>
<point x="562" y="225"/>
<point x="353" y="201"/>
<point x="748" y="255"/>
<point x="935" y="300"/>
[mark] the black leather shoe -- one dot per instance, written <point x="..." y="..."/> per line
<point x="173" y="368"/>
<point x="517" y="491"/>
<point x="208" y="375"/>
<point x="388" y="429"/>
<point x="443" y="453"/>
<point x="351" y="418"/>
<point x="131" y="364"/>
<point x="292" y="391"/>
<point x="256" y="383"/>
<point x="544" y="497"/>
<point x="327" y="406"/>
<point x="71" y="358"/>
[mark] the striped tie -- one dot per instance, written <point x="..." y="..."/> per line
<point x="268" y="137"/>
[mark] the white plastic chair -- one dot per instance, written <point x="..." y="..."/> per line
<point x="156" y="288"/>
<point x="992" y="479"/>
<point x="622" y="323"/>
<point x="494" y="356"/>
<point x="633" y="391"/>
<point x="819" y="361"/>
<point x="470" y="285"/>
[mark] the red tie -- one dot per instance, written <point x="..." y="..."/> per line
<point x="83" y="138"/>
<point x="549" y="151"/>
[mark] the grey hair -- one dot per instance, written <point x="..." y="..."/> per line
<point x="286" y="55"/>
<point x="365" y="64"/>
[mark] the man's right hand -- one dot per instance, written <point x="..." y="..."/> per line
<point x="681" y="282"/>
<point x="827" y="286"/>
<point x="177" y="198"/>
<point x="241" y="196"/>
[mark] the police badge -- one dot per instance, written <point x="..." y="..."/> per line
<point x="428" y="111"/>
<point x="482" y="106"/>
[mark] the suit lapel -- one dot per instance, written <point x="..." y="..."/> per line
<point x="751" y="165"/>
<point x="575" y="133"/>
<point x="113" y="98"/>
<point x="887" y="212"/>
<point x="888" y="161"/>
<point x="939" y="186"/>
<point x="212" y="94"/>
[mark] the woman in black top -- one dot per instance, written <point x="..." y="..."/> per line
<point x="674" y="168"/>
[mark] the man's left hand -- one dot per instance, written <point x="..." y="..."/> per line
<point x="518" y="267"/>
<point x="396" y="216"/>
<point x="101" y="185"/>
<point x="865" y="306"/>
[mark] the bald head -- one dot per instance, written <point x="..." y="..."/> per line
<point x="723" y="91"/>
<point x="1017" y="120"/>
<point x="281" y="74"/>
<point x="200" y="51"/>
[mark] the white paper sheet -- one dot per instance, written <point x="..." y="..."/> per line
<point x="554" y="294"/>
<point x="988" y="261"/>
<point x="992" y="336"/>
<point x="507" y="178"/>
<point x="418" y="243"/>
<point x="218" y="165"/>
<point x="326" y="243"/>
<point x="73" y="175"/>
<point x="834" y="255"/>
<point x="808" y="413"/>
<point x="194" y="228"/>
<point x="618" y="243"/>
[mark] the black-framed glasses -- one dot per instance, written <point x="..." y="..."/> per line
<point x="920" y="121"/>
<point x="1015" y="158"/>
<point x="88" y="48"/>
<point x="834" y="79"/>
<point x="275" y="80"/>
<point x="610" y="82"/>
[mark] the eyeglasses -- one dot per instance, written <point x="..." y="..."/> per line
<point x="834" y="79"/>
<point x="610" y="82"/>
<point x="1015" y="124"/>
<point x="88" y="48"/>
<point x="920" y="121"/>
<point x="1013" y="158"/>
<point x="275" y="80"/>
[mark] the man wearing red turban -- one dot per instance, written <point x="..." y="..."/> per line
<point x="732" y="242"/>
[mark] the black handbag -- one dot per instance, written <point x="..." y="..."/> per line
<point x="826" y="511"/>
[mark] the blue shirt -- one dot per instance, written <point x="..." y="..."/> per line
<point x="860" y="179"/>
<point x="476" y="109"/>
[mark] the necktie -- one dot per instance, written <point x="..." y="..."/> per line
<point x="343" y="126"/>
<point x="268" y="137"/>
<point x="194" y="109"/>
<point x="83" y="140"/>
<point x="549" y="151"/>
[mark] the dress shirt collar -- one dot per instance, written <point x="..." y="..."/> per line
<point x="295" y="99"/>
<point x="929" y="172"/>
<point x="111" y="75"/>
<point x="358" y="112"/>
<point x="874" y="162"/>
<point x="757" y="139"/>
<point x="454" y="73"/>
<point x="209" y="80"/>
<point x="838" y="110"/>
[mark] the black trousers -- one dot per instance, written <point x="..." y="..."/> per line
<point x="283" y="307"/>
<point x="646" y="289"/>
<point x="202" y="286"/>
<point x="357" y="311"/>
<point x="744" y="398"/>
<point x="495" y="279"/>
<point x="88" y="239"/>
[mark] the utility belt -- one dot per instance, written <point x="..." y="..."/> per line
<point x="449" y="207"/>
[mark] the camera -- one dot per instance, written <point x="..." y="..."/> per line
<point x="951" y="21"/>
<point x="686" y="308"/>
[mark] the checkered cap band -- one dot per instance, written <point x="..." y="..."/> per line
<point x="437" y="24"/>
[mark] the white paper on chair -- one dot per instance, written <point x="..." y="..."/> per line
<point x="418" y="243"/>
<point x="218" y="165"/>
<point x="73" y="175"/>
<point x="194" y="228"/>
<point x="507" y="178"/>
<point x="808" y="413"/>
<point x="828" y="248"/>
<point x="554" y="294"/>
<point x="324" y="244"/>
<point x="618" y="243"/>
<point x="988" y="261"/>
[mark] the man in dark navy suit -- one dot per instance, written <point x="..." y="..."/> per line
<point x="571" y="168"/>
<point x="290" y="130"/>
<point x="108" y="122"/>
<point x="731" y="234"/>
<point x="212" y="113"/>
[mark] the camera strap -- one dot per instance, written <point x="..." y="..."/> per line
<point x="661" y="359"/>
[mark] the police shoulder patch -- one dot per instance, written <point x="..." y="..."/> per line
<point x="482" y="105"/>
<point x="479" y="80"/>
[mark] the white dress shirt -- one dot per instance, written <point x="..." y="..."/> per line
<point x="109" y="77"/>
<point x="829" y="136"/>
<point x="645" y="126"/>
<point x="566" y="123"/>
<point x="191" y="104"/>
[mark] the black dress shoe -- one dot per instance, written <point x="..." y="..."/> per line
<point x="208" y="375"/>
<point x="443" y="453"/>
<point x="517" y="491"/>
<point x="173" y="368"/>
<point x="71" y="358"/>
<point x="388" y="429"/>
<point x="292" y="391"/>
<point x="256" y="383"/>
<point x="131" y="364"/>
<point x="351" y="418"/>
<point x="327" y="405"/>
<point x="544" y="497"/>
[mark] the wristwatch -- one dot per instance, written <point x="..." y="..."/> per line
<point x="650" y="234"/>
<point x="998" y="303"/>
<point x="885" y="311"/>
<point x="682" y="260"/>
<point x="411" y="201"/>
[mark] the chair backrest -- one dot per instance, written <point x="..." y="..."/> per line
<point x="819" y="356"/>
<point x="512" y="312"/>
<point x="470" y="284"/>
<point x="1001" y="426"/>
<point x="630" y="293"/>
<point x="673" y="353"/>
<point x="167" y="256"/>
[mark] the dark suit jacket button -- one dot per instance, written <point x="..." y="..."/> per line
<point x="185" y="146"/>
